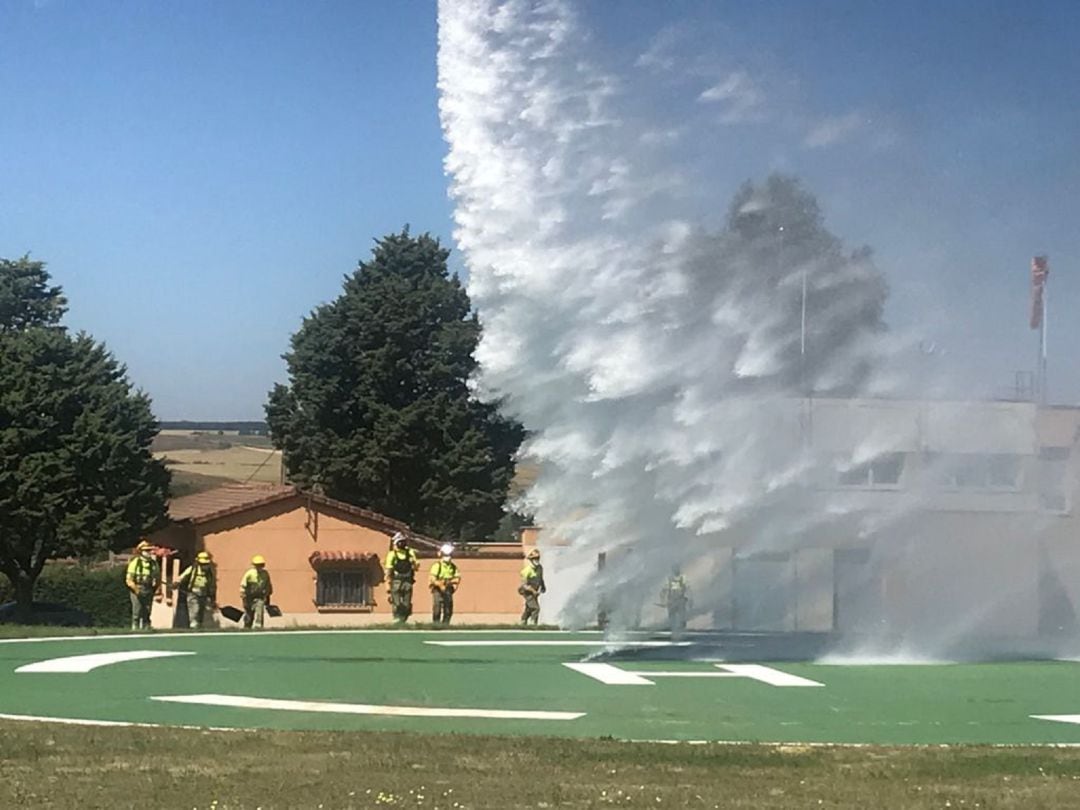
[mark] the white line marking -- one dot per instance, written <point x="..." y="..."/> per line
<point x="651" y="674"/>
<point x="606" y="673"/>
<point x="557" y="643"/>
<point x="85" y="663"/>
<point x="615" y="676"/>
<point x="74" y="721"/>
<point x="327" y="707"/>
<point x="1059" y="718"/>
<point x="77" y="721"/>
<point x="767" y="675"/>
<point x="236" y="633"/>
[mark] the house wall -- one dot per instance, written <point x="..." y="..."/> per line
<point x="287" y="532"/>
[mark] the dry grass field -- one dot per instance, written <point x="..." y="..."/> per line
<point x="201" y="461"/>
<point x="46" y="765"/>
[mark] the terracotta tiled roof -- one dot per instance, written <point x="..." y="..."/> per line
<point x="328" y="557"/>
<point x="233" y="499"/>
<point x="225" y="500"/>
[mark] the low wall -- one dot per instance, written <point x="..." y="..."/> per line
<point x="162" y="617"/>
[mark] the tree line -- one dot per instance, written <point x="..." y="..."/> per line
<point x="377" y="409"/>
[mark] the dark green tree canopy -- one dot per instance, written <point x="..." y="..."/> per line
<point x="378" y="411"/>
<point x="774" y="241"/>
<point x="76" y="473"/>
<point x="26" y="299"/>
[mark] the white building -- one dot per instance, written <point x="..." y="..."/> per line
<point x="954" y="520"/>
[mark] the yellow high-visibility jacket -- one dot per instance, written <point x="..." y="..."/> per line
<point x="401" y="565"/>
<point x="256" y="584"/>
<point x="443" y="573"/>
<point x="199" y="579"/>
<point x="143" y="575"/>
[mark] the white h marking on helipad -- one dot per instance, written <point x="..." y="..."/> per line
<point x="85" y="663"/>
<point x="606" y="673"/>
<point x="328" y="707"/>
<point x="1059" y="718"/>
<point x="615" y="676"/>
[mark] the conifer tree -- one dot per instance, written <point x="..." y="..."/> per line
<point x="378" y="411"/>
<point x="76" y="473"/>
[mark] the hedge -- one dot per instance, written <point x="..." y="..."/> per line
<point x="100" y="592"/>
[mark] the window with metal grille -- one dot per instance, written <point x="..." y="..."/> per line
<point x="343" y="588"/>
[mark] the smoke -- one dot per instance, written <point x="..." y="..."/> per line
<point x="661" y="364"/>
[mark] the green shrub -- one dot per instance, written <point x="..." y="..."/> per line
<point x="99" y="592"/>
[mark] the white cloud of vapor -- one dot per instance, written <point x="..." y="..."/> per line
<point x="835" y="129"/>
<point x="629" y="357"/>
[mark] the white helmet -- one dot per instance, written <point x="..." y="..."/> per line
<point x="446" y="550"/>
<point x="399" y="539"/>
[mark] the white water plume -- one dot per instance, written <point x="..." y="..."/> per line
<point x="657" y="384"/>
<point x="661" y="368"/>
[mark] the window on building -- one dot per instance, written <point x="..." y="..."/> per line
<point x="1001" y="471"/>
<point x="1053" y="479"/>
<point x="883" y="471"/>
<point x="343" y="587"/>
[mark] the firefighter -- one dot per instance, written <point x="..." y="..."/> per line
<point x="199" y="581"/>
<point x="143" y="580"/>
<point x="532" y="585"/>
<point x="401" y="566"/>
<point x="443" y="579"/>
<point x="255" y="590"/>
<point x="676" y="598"/>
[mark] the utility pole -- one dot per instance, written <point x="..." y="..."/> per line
<point x="1040" y="271"/>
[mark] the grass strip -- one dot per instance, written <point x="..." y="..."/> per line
<point x="47" y="765"/>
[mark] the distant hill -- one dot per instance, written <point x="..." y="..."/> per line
<point x="241" y="428"/>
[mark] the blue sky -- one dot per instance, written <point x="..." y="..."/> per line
<point x="200" y="175"/>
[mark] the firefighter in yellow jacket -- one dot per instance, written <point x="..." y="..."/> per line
<point x="143" y="580"/>
<point x="199" y="582"/>
<point x="532" y="585"/>
<point x="401" y="566"/>
<point x="443" y="579"/>
<point x="675" y="596"/>
<point x="255" y="590"/>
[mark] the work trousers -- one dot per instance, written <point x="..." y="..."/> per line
<point x="141" y="603"/>
<point x="198" y="610"/>
<point x="254" y="611"/>
<point x="676" y="610"/>
<point x="532" y="609"/>
<point x="401" y="599"/>
<point x="442" y="605"/>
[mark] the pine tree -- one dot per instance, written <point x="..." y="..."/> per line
<point x="378" y="411"/>
<point x="76" y="473"/>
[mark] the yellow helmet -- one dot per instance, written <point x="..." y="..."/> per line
<point x="203" y="557"/>
<point x="258" y="559"/>
<point x="534" y="554"/>
<point x="144" y="545"/>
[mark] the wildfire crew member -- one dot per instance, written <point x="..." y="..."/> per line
<point x="532" y="585"/>
<point x="143" y="580"/>
<point x="401" y="566"/>
<point x="199" y="581"/>
<point x="443" y="579"/>
<point x="255" y="591"/>
<point x="676" y="598"/>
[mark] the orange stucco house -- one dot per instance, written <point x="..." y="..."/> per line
<point x="324" y="558"/>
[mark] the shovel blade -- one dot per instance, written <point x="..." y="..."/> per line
<point x="233" y="614"/>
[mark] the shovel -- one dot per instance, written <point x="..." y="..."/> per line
<point x="273" y="611"/>
<point x="233" y="614"/>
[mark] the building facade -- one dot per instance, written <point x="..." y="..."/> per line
<point x="947" y="520"/>
<point x="325" y="558"/>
